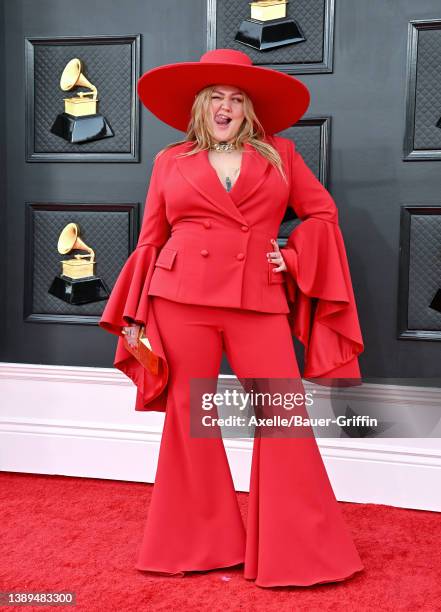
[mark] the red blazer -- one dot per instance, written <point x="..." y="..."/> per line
<point x="200" y="244"/>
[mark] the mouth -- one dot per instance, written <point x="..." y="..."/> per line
<point x="222" y="120"/>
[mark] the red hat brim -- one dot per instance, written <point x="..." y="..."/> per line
<point x="168" y="91"/>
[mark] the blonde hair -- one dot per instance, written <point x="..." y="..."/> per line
<point x="250" y="131"/>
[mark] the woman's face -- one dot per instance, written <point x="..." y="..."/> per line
<point x="226" y="112"/>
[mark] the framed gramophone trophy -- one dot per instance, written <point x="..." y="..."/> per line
<point x="80" y="121"/>
<point x="77" y="283"/>
<point x="74" y="252"/>
<point x="292" y="36"/>
<point x="81" y="98"/>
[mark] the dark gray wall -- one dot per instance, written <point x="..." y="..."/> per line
<point x="365" y="96"/>
<point x="3" y="225"/>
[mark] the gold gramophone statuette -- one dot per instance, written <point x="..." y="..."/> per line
<point x="77" y="283"/>
<point x="77" y="267"/>
<point x="80" y="121"/>
<point x="80" y="104"/>
<point x="269" y="27"/>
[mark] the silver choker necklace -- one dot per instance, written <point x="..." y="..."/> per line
<point x="223" y="146"/>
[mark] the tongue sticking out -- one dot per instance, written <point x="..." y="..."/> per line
<point x="222" y="121"/>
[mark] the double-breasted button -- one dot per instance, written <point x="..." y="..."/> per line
<point x="240" y="256"/>
<point x="204" y="252"/>
<point x="207" y="223"/>
<point x="244" y="228"/>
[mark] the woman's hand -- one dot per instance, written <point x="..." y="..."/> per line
<point x="276" y="257"/>
<point x="132" y="332"/>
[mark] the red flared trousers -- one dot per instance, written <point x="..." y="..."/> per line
<point x="295" y="532"/>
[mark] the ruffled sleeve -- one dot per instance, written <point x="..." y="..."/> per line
<point x="129" y="302"/>
<point x="323" y="313"/>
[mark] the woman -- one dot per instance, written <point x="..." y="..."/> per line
<point x="207" y="275"/>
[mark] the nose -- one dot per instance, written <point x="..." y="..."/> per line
<point x="226" y="104"/>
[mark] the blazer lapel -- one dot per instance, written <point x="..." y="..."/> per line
<point x="252" y="174"/>
<point x="198" y="171"/>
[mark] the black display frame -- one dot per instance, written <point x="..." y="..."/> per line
<point x="325" y="124"/>
<point x="134" y="42"/>
<point x="133" y="210"/>
<point x="403" y="331"/>
<point x="409" y="152"/>
<point x="325" y="66"/>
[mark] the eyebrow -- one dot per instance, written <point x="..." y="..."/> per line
<point x="235" y="93"/>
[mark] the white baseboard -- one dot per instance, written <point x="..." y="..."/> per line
<point x="79" y="421"/>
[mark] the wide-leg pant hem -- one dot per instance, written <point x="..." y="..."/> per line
<point x="181" y="572"/>
<point x="299" y="583"/>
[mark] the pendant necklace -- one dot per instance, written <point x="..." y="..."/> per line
<point x="228" y="179"/>
<point x="226" y="147"/>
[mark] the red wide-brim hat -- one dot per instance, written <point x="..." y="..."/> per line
<point x="168" y="91"/>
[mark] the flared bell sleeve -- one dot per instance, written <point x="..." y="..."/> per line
<point x="323" y="312"/>
<point x="129" y="302"/>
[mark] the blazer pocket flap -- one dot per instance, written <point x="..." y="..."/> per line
<point x="275" y="277"/>
<point x="166" y="258"/>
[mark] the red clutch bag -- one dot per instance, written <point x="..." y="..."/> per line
<point x="142" y="351"/>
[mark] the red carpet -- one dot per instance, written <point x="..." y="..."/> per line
<point x="77" y="534"/>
